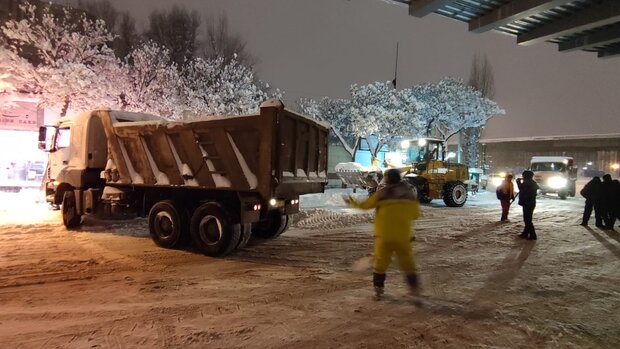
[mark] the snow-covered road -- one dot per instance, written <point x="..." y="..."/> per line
<point x="107" y="285"/>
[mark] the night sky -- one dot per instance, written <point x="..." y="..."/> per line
<point x="320" y="47"/>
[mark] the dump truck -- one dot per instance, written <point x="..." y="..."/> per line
<point x="433" y="175"/>
<point x="555" y="174"/>
<point x="216" y="182"/>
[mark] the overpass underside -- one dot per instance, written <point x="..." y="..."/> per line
<point x="588" y="25"/>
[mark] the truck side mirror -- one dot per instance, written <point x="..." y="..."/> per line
<point x="45" y="143"/>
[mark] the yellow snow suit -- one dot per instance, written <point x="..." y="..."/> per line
<point x="396" y="206"/>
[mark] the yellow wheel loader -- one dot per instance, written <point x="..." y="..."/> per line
<point x="433" y="175"/>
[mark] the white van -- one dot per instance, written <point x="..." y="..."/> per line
<point x="555" y="174"/>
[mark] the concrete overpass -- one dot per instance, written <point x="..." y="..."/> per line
<point x="588" y="25"/>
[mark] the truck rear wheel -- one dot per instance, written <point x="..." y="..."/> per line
<point x="275" y="224"/>
<point x="455" y="194"/>
<point x="70" y="217"/>
<point x="246" y="233"/>
<point x="167" y="224"/>
<point x="212" y="232"/>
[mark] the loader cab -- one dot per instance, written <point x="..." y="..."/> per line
<point x="422" y="150"/>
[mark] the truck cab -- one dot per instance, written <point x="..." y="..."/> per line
<point x="78" y="152"/>
<point x="555" y="174"/>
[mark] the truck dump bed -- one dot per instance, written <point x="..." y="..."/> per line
<point x="276" y="153"/>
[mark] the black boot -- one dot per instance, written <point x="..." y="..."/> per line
<point x="378" y="281"/>
<point x="532" y="236"/>
<point x="414" y="286"/>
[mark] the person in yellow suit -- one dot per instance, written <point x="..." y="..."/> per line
<point x="396" y="207"/>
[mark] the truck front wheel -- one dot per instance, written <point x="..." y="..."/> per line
<point x="275" y="224"/>
<point x="212" y="232"/>
<point x="167" y="224"/>
<point x="70" y="217"/>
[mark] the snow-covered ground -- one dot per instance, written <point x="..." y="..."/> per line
<point x="108" y="286"/>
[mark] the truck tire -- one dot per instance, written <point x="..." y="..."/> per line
<point x="246" y="234"/>
<point x="168" y="224"/>
<point x="562" y="195"/>
<point x="70" y="218"/>
<point x="276" y="224"/>
<point x="212" y="232"/>
<point x="455" y="194"/>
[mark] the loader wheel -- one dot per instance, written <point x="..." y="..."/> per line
<point x="70" y="218"/>
<point x="212" y="232"/>
<point x="276" y="224"/>
<point x="168" y="224"/>
<point x="455" y="194"/>
<point x="562" y="195"/>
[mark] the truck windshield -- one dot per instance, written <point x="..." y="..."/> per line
<point x="549" y="166"/>
<point x="63" y="137"/>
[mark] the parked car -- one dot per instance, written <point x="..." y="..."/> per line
<point x="36" y="170"/>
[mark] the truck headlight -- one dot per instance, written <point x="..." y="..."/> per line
<point x="496" y="181"/>
<point x="557" y="182"/>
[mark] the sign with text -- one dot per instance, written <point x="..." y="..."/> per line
<point x="23" y="116"/>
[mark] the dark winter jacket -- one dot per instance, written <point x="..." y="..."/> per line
<point x="592" y="190"/>
<point x="607" y="195"/>
<point x="528" y="189"/>
<point x="616" y="197"/>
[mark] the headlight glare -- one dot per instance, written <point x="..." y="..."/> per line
<point x="557" y="182"/>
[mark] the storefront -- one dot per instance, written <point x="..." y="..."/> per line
<point x="22" y="164"/>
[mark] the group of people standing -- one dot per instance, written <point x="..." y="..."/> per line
<point x="527" y="200"/>
<point x="604" y="198"/>
<point x="397" y="207"/>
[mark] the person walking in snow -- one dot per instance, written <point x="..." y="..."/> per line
<point x="506" y="195"/>
<point x="396" y="207"/>
<point x="607" y="203"/>
<point x="527" y="199"/>
<point x="592" y="192"/>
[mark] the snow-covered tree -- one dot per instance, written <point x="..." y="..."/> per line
<point x="337" y="112"/>
<point x="151" y="82"/>
<point x="65" y="60"/>
<point x="480" y="78"/>
<point x="376" y="113"/>
<point x="465" y="108"/>
<point x="451" y="106"/>
<point x="381" y="113"/>
<point x="221" y="87"/>
<point x="122" y="24"/>
<point x="370" y="105"/>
